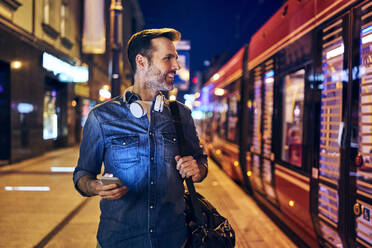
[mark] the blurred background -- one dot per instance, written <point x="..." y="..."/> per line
<point x="59" y="58"/>
<point x="280" y="92"/>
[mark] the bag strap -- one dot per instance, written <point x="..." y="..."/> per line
<point x="182" y="148"/>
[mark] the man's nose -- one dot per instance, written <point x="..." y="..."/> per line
<point x="176" y="66"/>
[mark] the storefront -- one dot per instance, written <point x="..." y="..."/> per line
<point x="36" y="99"/>
<point x="4" y="113"/>
<point x="59" y="108"/>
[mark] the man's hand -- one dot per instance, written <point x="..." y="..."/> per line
<point x="188" y="167"/>
<point x="110" y="191"/>
<point x="92" y="186"/>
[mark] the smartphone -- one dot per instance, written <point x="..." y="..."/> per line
<point x="110" y="180"/>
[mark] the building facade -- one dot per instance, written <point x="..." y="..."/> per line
<point x="47" y="84"/>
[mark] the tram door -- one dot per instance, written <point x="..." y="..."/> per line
<point x="262" y="156"/>
<point x="362" y="131"/>
<point x="333" y="96"/>
<point x="256" y="139"/>
<point x="4" y="113"/>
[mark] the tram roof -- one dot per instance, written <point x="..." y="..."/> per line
<point x="231" y="71"/>
<point x="294" y="19"/>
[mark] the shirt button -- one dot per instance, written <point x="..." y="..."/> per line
<point x="151" y="230"/>
<point x="152" y="158"/>
<point x="124" y="143"/>
<point x="151" y="206"/>
<point x="174" y="139"/>
<point x="152" y="182"/>
<point x="150" y="133"/>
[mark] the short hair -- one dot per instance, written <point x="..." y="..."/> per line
<point x="140" y="43"/>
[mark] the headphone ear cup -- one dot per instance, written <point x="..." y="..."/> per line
<point x="159" y="103"/>
<point x="135" y="105"/>
<point x="137" y="109"/>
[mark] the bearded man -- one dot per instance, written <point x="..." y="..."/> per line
<point x="134" y="137"/>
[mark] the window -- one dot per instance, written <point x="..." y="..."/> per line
<point x="268" y="109"/>
<point x="64" y="16"/>
<point x="233" y="97"/>
<point x="257" y="106"/>
<point x="332" y="87"/>
<point x="46" y="11"/>
<point x="49" y="24"/>
<point x="222" y="114"/>
<point x="232" y="120"/>
<point x="293" y="107"/>
<point x="364" y="182"/>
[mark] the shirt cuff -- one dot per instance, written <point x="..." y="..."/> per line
<point x="77" y="176"/>
<point x="204" y="164"/>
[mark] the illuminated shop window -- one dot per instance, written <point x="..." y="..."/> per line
<point x="50" y="123"/>
<point x="293" y="107"/>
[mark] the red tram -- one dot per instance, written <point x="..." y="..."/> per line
<point x="290" y="117"/>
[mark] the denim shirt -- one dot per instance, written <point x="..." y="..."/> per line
<point x="142" y="154"/>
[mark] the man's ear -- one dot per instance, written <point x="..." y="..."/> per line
<point x="141" y="61"/>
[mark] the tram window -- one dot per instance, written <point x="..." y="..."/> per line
<point x="293" y="106"/>
<point x="256" y="111"/>
<point x="232" y="121"/>
<point x="222" y="117"/>
<point x="365" y="109"/>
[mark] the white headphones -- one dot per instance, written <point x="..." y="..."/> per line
<point x="136" y="105"/>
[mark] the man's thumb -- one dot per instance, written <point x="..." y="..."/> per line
<point x="177" y="157"/>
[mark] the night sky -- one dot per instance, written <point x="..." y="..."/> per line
<point x="213" y="27"/>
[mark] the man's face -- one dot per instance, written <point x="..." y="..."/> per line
<point x="163" y="65"/>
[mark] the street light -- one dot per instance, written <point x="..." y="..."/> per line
<point x="116" y="9"/>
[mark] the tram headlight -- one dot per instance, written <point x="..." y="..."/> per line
<point x="291" y="203"/>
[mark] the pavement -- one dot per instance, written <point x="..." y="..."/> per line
<point x="57" y="216"/>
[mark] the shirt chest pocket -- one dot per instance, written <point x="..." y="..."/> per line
<point x="170" y="145"/>
<point x="125" y="151"/>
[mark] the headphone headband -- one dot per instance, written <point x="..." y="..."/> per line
<point x="131" y="97"/>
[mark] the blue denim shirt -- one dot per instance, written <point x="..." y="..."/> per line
<point x="142" y="154"/>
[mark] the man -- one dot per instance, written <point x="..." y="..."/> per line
<point x="134" y="136"/>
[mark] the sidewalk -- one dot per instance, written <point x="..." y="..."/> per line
<point x="60" y="217"/>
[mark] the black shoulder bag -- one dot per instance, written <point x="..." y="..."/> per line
<point x="206" y="227"/>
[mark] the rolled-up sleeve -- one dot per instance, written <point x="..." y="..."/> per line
<point x="91" y="151"/>
<point x="192" y="140"/>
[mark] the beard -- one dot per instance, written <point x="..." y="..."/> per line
<point x="159" y="81"/>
